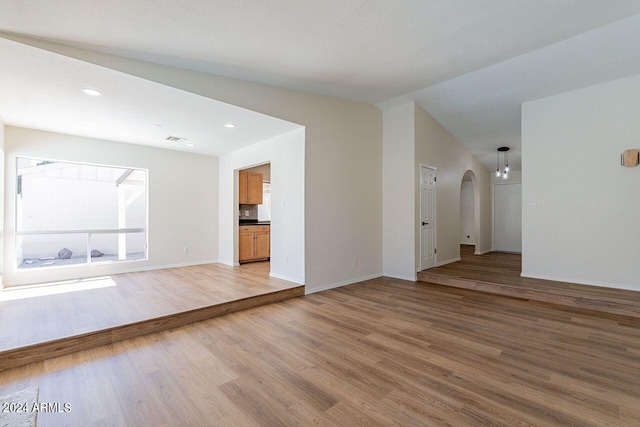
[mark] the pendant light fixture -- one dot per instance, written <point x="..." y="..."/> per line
<point x="505" y="170"/>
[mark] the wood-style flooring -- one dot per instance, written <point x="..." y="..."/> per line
<point x="499" y="273"/>
<point x="379" y="353"/>
<point x="122" y="306"/>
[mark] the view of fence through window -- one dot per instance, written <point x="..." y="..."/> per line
<point x="72" y="213"/>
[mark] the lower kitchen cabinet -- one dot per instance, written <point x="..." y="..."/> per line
<point x="254" y="243"/>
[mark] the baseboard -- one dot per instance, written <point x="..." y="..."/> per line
<point x="402" y="277"/>
<point x="308" y="290"/>
<point x="583" y="282"/>
<point x="449" y="261"/>
<point x="482" y="252"/>
<point x="162" y="267"/>
<point x="287" y="278"/>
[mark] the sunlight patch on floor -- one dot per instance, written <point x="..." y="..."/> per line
<point x="54" y="288"/>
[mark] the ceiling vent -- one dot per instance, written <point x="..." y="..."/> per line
<point x="175" y="138"/>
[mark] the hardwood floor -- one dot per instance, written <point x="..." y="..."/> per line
<point x="381" y="352"/>
<point x="499" y="273"/>
<point x="127" y="305"/>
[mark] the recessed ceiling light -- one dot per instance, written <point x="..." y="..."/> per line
<point x="157" y="125"/>
<point x="92" y="92"/>
<point x="229" y="125"/>
<point x="190" y="145"/>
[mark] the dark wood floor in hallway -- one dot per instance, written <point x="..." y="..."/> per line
<point x="499" y="273"/>
<point x="381" y="352"/>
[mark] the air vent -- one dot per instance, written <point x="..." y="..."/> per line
<point x="175" y="138"/>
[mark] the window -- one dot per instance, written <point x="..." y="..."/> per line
<point x="73" y="213"/>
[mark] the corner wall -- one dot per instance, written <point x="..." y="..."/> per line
<point x="286" y="155"/>
<point x="2" y="200"/>
<point x="412" y="137"/>
<point x="183" y="201"/>
<point x="398" y="201"/>
<point x="585" y="225"/>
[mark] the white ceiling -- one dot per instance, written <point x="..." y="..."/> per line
<point x="443" y="53"/>
<point x="43" y="90"/>
<point x="482" y="109"/>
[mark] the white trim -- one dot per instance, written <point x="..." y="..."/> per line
<point x="87" y="231"/>
<point x="287" y="278"/>
<point x="449" y="261"/>
<point x="308" y="290"/>
<point x="119" y="271"/>
<point x="583" y="282"/>
<point x="483" y="252"/>
<point x="402" y="277"/>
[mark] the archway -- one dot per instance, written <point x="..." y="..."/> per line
<point x="470" y="212"/>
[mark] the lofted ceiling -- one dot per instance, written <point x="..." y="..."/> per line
<point x="470" y="63"/>
<point x="44" y="90"/>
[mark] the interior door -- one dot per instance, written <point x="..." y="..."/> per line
<point x="427" y="217"/>
<point x="507" y="217"/>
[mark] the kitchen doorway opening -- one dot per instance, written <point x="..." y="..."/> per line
<point x="254" y="215"/>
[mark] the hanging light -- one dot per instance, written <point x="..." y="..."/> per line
<point x="505" y="171"/>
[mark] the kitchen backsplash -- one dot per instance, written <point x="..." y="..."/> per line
<point x="248" y="211"/>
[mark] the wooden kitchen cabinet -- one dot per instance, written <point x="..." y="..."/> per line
<point x="254" y="243"/>
<point x="250" y="186"/>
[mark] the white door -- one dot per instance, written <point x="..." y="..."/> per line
<point x="507" y="217"/>
<point x="427" y="217"/>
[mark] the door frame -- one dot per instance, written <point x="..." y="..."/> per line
<point x="435" y="214"/>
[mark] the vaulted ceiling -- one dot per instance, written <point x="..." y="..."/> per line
<point x="470" y="63"/>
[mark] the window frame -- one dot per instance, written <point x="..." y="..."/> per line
<point x="87" y="263"/>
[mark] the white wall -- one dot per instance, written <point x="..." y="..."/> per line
<point x="343" y="163"/>
<point x="467" y="214"/>
<point x="398" y="231"/>
<point x="438" y="148"/>
<point x="513" y="178"/>
<point x="585" y="228"/>
<point x="286" y="155"/>
<point x="183" y="200"/>
<point x="2" y="200"/>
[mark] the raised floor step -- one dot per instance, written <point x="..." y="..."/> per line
<point x="608" y="300"/>
<point x="13" y="357"/>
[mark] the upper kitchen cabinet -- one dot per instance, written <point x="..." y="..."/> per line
<point x="250" y="184"/>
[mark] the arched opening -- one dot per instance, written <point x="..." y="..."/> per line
<point x="469" y="213"/>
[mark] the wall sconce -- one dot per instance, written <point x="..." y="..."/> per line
<point x="630" y="158"/>
<point x="505" y="171"/>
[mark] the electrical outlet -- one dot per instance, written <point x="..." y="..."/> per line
<point x="286" y="260"/>
<point x="355" y="262"/>
<point x="186" y="249"/>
